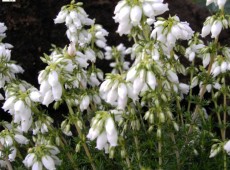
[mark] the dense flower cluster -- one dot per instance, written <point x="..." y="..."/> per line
<point x="103" y="128"/>
<point x="130" y="15"/>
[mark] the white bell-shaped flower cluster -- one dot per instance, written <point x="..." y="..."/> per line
<point x="118" y="54"/>
<point x="48" y="160"/>
<point x="194" y="47"/>
<point x="171" y="30"/>
<point x="8" y="68"/>
<point x="214" y="26"/>
<point x="115" y="91"/>
<point x="100" y="33"/>
<point x="19" y="100"/>
<point x="50" y="88"/>
<point x="3" y="28"/>
<point x="219" y="3"/>
<point x="75" y="19"/>
<point x="8" y="139"/>
<point x="220" y="67"/>
<point x="130" y="15"/>
<point x="42" y="124"/>
<point x="104" y="129"/>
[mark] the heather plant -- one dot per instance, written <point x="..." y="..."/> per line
<point x="163" y="106"/>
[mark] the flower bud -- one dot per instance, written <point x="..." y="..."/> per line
<point x="162" y="117"/>
<point x="216" y="28"/>
<point x="135" y="15"/>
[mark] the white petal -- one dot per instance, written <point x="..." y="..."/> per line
<point x="48" y="162"/>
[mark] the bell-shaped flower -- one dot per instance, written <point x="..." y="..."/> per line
<point x="37" y="165"/>
<point x="135" y="15"/>
<point x="101" y="141"/>
<point x="48" y="162"/>
<point x="216" y="28"/>
<point x="206" y="30"/>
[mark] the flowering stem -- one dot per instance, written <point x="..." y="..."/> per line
<point x="202" y="92"/>
<point x="176" y="151"/>
<point x="80" y="134"/>
<point x="224" y="123"/>
<point x="190" y="91"/>
<point x="179" y="110"/>
<point x="160" y="161"/>
<point x="137" y="150"/>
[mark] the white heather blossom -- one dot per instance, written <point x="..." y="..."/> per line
<point x="3" y="28"/>
<point x="37" y="166"/>
<point x="106" y="135"/>
<point x="85" y="103"/>
<point x="227" y="147"/>
<point x="184" y="88"/>
<point x="216" y="28"/>
<point x="21" y="139"/>
<point x="130" y="16"/>
<point x="219" y="3"/>
<point x="135" y="15"/>
<point x="206" y="30"/>
<point x="206" y="59"/>
<point x="169" y="35"/>
<point x="172" y="76"/>
<point x="48" y="162"/>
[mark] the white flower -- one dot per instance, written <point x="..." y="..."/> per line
<point x="151" y="79"/>
<point x="12" y="155"/>
<point x="221" y="3"/>
<point x="206" y="59"/>
<point x="216" y="71"/>
<point x="148" y="9"/>
<point x="48" y="98"/>
<point x="122" y="90"/>
<point x="71" y="49"/>
<point x="135" y="15"/>
<point x="184" y="88"/>
<point x="37" y="166"/>
<point x="224" y="66"/>
<point x="227" y="147"/>
<point x="48" y="162"/>
<point x="110" y="126"/>
<point x="61" y="17"/>
<point x="112" y="138"/>
<point x="216" y="28"/>
<point x="21" y="139"/>
<point x="84" y="103"/>
<point x="101" y="141"/>
<point x="93" y="133"/>
<point x="57" y="91"/>
<point x="19" y="106"/>
<point x="29" y="160"/>
<point x="206" y="30"/>
<point x="172" y="76"/>
<point x="35" y="96"/>
<point x="53" y="78"/>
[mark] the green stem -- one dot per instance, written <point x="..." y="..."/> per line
<point x="176" y="150"/>
<point x="225" y="161"/>
<point x="160" y="160"/>
<point x="80" y="134"/>
<point x="190" y="91"/>
<point x="137" y="151"/>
